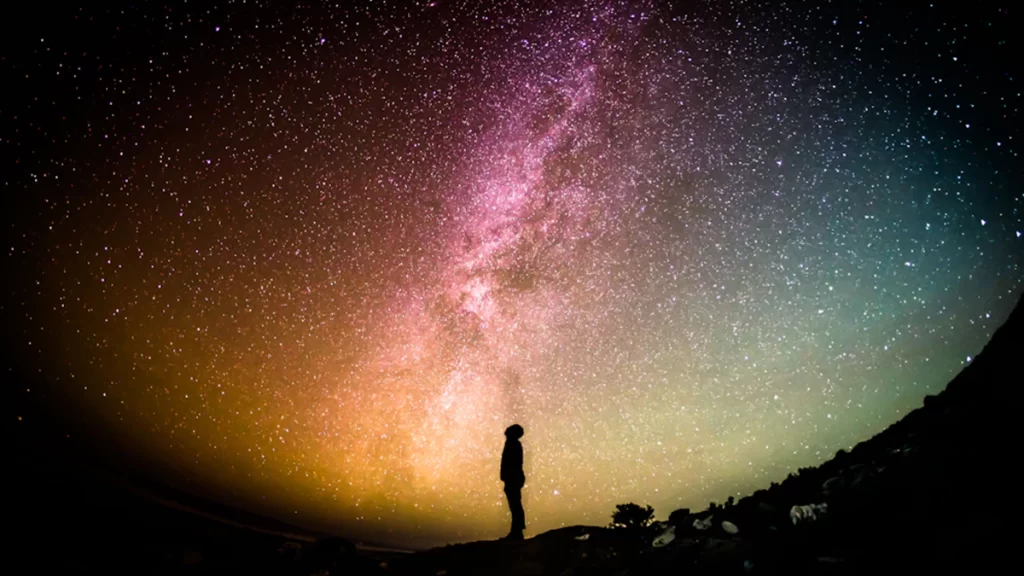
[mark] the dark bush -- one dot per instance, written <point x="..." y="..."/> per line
<point x="632" y="516"/>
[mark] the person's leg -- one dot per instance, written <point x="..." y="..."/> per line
<point x="518" y="514"/>
<point x="515" y="506"/>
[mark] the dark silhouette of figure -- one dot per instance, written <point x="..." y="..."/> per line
<point x="514" y="478"/>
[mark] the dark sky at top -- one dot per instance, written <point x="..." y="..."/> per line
<point x="316" y="258"/>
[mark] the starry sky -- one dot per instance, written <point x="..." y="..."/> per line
<point x="319" y="257"/>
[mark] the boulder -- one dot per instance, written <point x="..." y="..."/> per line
<point x="290" y="551"/>
<point x="801" y="514"/>
<point x="833" y="485"/>
<point x="665" y="537"/>
<point x="703" y="523"/>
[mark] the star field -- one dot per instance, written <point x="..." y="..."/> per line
<point x="320" y="257"/>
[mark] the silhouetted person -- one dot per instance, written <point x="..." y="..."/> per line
<point x="514" y="479"/>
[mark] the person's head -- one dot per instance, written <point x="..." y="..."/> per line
<point x="514" y="432"/>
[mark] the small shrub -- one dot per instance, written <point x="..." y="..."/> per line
<point x="632" y="516"/>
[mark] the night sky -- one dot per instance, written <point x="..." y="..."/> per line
<point x="318" y="258"/>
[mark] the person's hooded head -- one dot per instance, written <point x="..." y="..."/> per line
<point x="514" y="432"/>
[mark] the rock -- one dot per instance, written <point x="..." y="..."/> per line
<point x="290" y="551"/>
<point x="703" y="524"/>
<point x="835" y="485"/>
<point x="583" y="537"/>
<point x="902" y="451"/>
<point x="832" y="481"/>
<point x="807" y="513"/>
<point x="665" y="537"/>
<point x="730" y="528"/>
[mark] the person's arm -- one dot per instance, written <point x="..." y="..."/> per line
<point x="505" y="463"/>
<point x="519" y="462"/>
